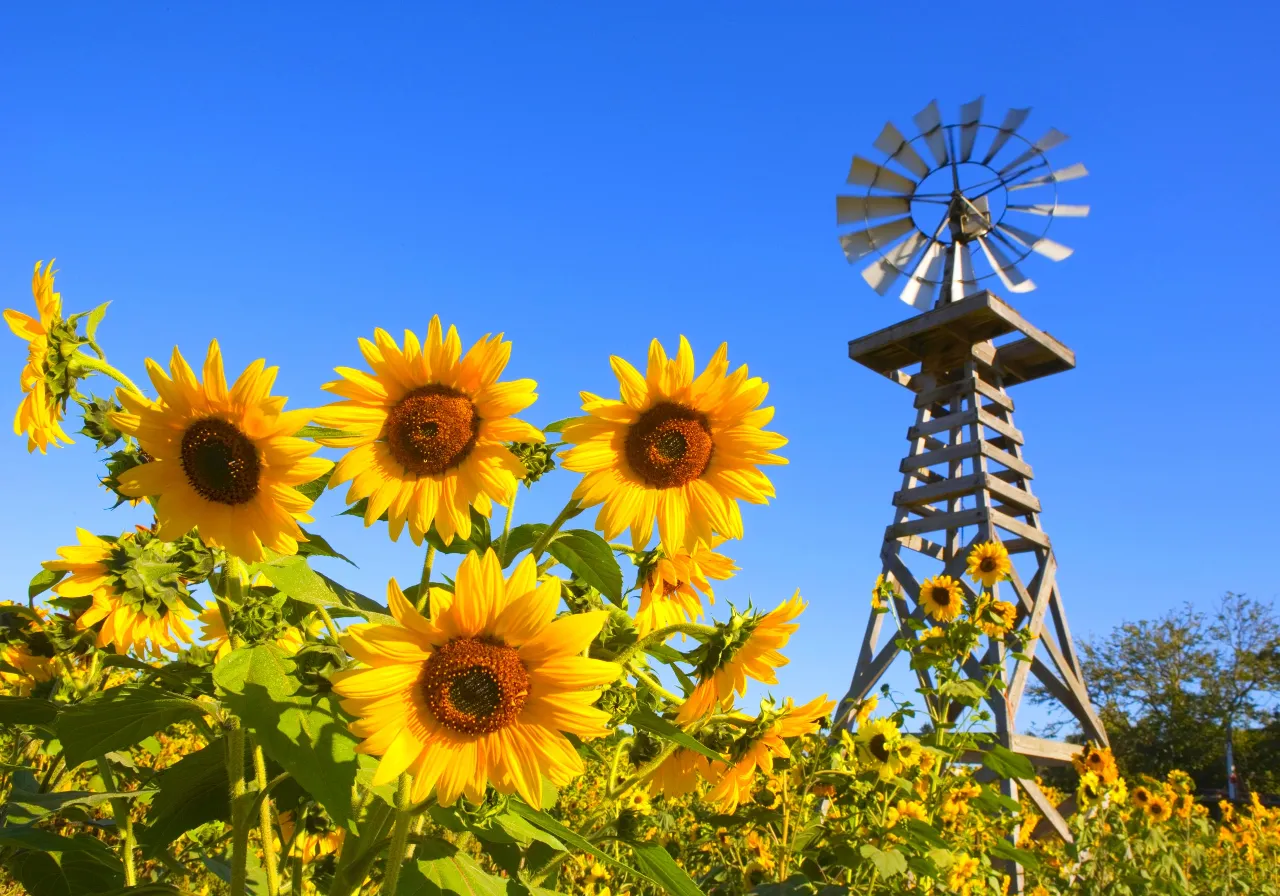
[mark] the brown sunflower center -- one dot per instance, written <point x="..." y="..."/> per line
<point x="474" y="686"/>
<point x="669" y="445"/>
<point x="878" y="747"/>
<point x="432" y="429"/>
<point x="942" y="596"/>
<point x="220" y="461"/>
<point x="988" y="564"/>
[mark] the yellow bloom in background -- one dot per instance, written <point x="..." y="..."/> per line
<point x="756" y="657"/>
<point x="1141" y="796"/>
<point x="1184" y="805"/>
<point x="1098" y="760"/>
<point x="996" y="617"/>
<point x="214" y="630"/>
<point x="677" y="449"/>
<point x="224" y="461"/>
<point x="29" y="669"/>
<point x="908" y="752"/>
<point x="316" y="838"/>
<point x="865" y="709"/>
<point x="481" y="693"/>
<point x="989" y="563"/>
<point x="131" y="620"/>
<point x="1090" y="787"/>
<point x="427" y="431"/>
<point x="942" y="598"/>
<point x="877" y="743"/>
<point x="884" y="590"/>
<point x="684" y="771"/>
<point x="756" y="750"/>
<point x="1158" y="809"/>
<point x="669" y="593"/>
<point x="961" y="872"/>
<point x="911" y="809"/>
<point x="637" y="800"/>
<point x="39" y="414"/>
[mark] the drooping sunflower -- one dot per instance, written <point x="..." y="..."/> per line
<point x="39" y="414"/>
<point x="989" y="563"/>
<point x="669" y="592"/>
<point x="481" y="693"/>
<point x="942" y="598"/>
<point x="148" y="617"/>
<point x="684" y="771"/>
<point x="427" y="431"/>
<point x="762" y="742"/>
<point x="996" y="617"/>
<point x="214" y="630"/>
<point x="225" y="461"/>
<point x="877" y="743"/>
<point x="746" y="646"/>
<point x="678" y="449"/>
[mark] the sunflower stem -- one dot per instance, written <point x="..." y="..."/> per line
<point x="264" y="821"/>
<point x="329" y="625"/>
<point x="295" y="884"/>
<point x="506" y="529"/>
<point x="568" y="512"/>
<point x="658" y="636"/>
<point x="97" y="365"/>
<point x="652" y="684"/>
<point x="424" y="583"/>
<point x="240" y="809"/>
<point x="124" y="824"/>
<point x="396" y="856"/>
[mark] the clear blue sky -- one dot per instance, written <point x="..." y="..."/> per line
<point x="288" y="177"/>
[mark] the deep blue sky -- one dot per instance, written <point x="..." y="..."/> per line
<point x="288" y="178"/>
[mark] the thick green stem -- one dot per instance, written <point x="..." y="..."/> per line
<point x="506" y="529"/>
<point x="399" y="837"/>
<point x="653" y="685"/>
<point x="295" y="885"/>
<point x="97" y="365"/>
<point x="329" y="625"/>
<point x="424" y="583"/>
<point x="240" y="809"/>
<point x="568" y="512"/>
<point x="658" y="636"/>
<point x="264" y="821"/>
<point x="124" y="823"/>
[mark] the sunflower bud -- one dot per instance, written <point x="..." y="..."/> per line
<point x="538" y="459"/>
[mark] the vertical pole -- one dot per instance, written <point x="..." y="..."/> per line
<point x="1231" y="765"/>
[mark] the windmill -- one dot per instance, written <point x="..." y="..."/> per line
<point x="946" y="213"/>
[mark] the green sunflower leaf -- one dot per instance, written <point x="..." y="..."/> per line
<point x="647" y="720"/>
<point x="299" y="581"/>
<point x="71" y="871"/>
<point x="572" y="838"/>
<point x="26" y="711"/>
<point x="119" y="718"/>
<point x="315" y="488"/>
<point x="1008" y="764"/>
<point x="659" y="865"/>
<point x="317" y="546"/>
<point x="888" y="862"/>
<point x="439" y="868"/>
<point x="193" y="792"/>
<point x="589" y="557"/>
<point x="44" y="580"/>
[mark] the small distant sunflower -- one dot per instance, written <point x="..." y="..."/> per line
<point x="315" y="839"/>
<point x="1142" y="796"/>
<point x="480" y="693"/>
<point x="684" y="771"/>
<point x="427" y="431"/>
<point x="1090" y="787"/>
<point x="909" y="752"/>
<point x="996" y="617"/>
<point x="225" y="461"/>
<point x="884" y="590"/>
<point x="1158" y="809"/>
<point x="961" y="872"/>
<point x="762" y="743"/>
<point x="214" y="630"/>
<point x="39" y="414"/>
<point x="865" y="709"/>
<point x="1184" y="805"/>
<point x="678" y="449"/>
<point x="669" y="592"/>
<point x="877" y="743"/>
<point x="746" y="646"/>
<point x="28" y="668"/>
<point x="942" y="597"/>
<point x="989" y="563"/>
<point x="910" y="809"/>
<point x="637" y="800"/>
<point x="1098" y="760"/>
<point x="146" y="615"/>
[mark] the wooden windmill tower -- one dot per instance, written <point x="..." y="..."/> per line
<point x="965" y="478"/>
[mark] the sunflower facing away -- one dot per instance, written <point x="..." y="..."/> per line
<point x="40" y="413"/>
<point x="745" y="647"/>
<point x="678" y="449"/>
<point x="757" y="748"/>
<point x="147" y="620"/>
<point x="214" y="630"/>
<point x="224" y="461"/>
<point x="427" y="430"/>
<point x="669" y="592"/>
<point x="482" y="692"/>
<point x="942" y="598"/>
<point x="684" y="771"/>
<point x="989" y="563"/>
<point x="995" y="617"/>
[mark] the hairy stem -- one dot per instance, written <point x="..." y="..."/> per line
<point x="264" y="821"/>
<point x="568" y="512"/>
<point x="399" y="837"/>
<point x="506" y="529"/>
<point x="97" y="365"/>
<point x="658" y="636"/>
<point x="124" y="824"/>
<point x="424" y="583"/>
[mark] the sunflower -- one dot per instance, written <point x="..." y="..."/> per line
<point x="961" y="872"/>
<point x="316" y="838"/>
<point x="865" y="709"/>
<point x="669" y="592"/>
<point x="684" y="771"/>
<point x="427" y="430"/>
<point x="906" y="809"/>
<point x="884" y="590"/>
<point x="40" y="412"/>
<point x="677" y="448"/>
<point x="745" y="647"/>
<point x="1090" y="787"/>
<point x="1184" y="805"/>
<point x="28" y="669"/>
<point x="1158" y="809"/>
<point x="996" y="617"/>
<point x="148" y="617"/>
<point x="1099" y="761"/>
<point x="942" y="597"/>
<point x="908" y="752"/>
<point x="989" y="563"/>
<point x="764" y="741"/>
<point x="224" y="461"/>
<point x="214" y="629"/>
<point x="636" y="800"/>
<point x="481" y="692"/>
<point x="1142" y="796"/>
<point x="877" y="744"/>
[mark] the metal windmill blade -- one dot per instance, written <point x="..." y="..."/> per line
<point x="931" y="202"/>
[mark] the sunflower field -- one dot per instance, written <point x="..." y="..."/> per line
<point x="562" y="715"/>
